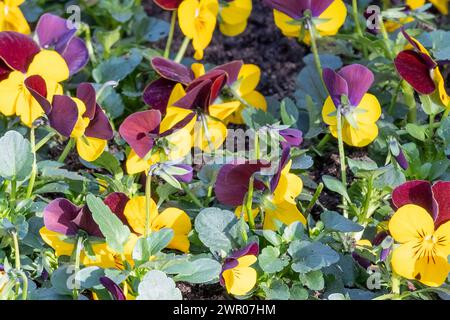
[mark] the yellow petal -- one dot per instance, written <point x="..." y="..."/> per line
<point x="180" y="142"/>
<point x="239" y="281"/>
<point x="89" y="149"/>
<point x="248" y="77"/>
<point x="209" y="134"/>
<point x="14" y="20"/>
<point x="135" y="164"/>
<point x="286" y="24"/>
<point x="442" y="92"/>
<point x="180" y="222"/>
<point x="254" y="99"/>
<point x="334" y="17"/>
<point x="238" y="212"/>
<point x="371" y="107"/>
<point x="50" y="65"/>
<point x="441" y="5"/>
<point x="414" y="4"/>
<point x="27" y="108"/>
<point x="10" y="88"/>
<point x="432" y="271"/>
<point x="410" y="223"/>
<point x="186" y="16"/>
<point x="232" y="30"/>
<point x="82" y="123"/>
<point x="223" y="110"/>
<point x="329" y="112"/>
<point x="135" y="212"/>
<point x="54" y="240"/>
<point x="236" y="12"/>
<point x="360" y="137"/>
<point x="289" y="186"/>
<point x="246" y="261"/>
<point x="403" y="260"/>
<point x="104" y="257"/>
<point x="198" y="69"/>
<point x="442" y="235"/>
<point x="285" y="212"/>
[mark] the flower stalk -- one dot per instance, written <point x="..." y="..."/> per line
<point x="34" y="169"/>
<point x="70" y="144"/>
<point x="342" y="157"/>
<point x="171" y="33"/>
<point x="148" y="201"/>
<point x="182" y="51"/>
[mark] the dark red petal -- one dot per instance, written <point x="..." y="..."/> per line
<point x="136" y="129"/>
<point x="99" y="127"/>
<point x="86" y="222"/>
<point x="359" y="80"/>
<point x="86" y="93"/>
<point x="17" y="50"/>
<point x="232" y="182"/>
<point x="415" y="192"/>
<point x="293" y="8"/>
<point x="4" y="70"/>
<point x="116" y="202"/>
<point x="232" y="69"/>
<point x="172" y="71"/>
<point x="38" y="89"/>
<point x="319" y="6"/>
<point x="59" y="215"/>
<point x="197" y="96"/>
<point x="414" y="69"/>
<point x="441" y="193"/>
<point x="168" y="4"/>
<point x="336" y="85"/>
<point x="157" y="94"/>
<point x="64" y="115"/>
<point x="113" y="288"/>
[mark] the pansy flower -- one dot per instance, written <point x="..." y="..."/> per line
<point x="56" y="33"/>
<point x="359" y="109"/>
<point x="233" y="16"/>
<point x="279" y="198"/>
<point x="441" y="5"/>
<point x="12" y="18"/>
<point x="20" y="59"/>
<point x="80" y="118"/>
<point x="197" y="20"/>
<point x="64" y="222"/>
<point x="132" y="212"/>
<point x="154" y="140"/>
<point x="419" y="69"/>
<point x="327" y="15"/>
<point x="243" y="86"/>
<point x="237" y="275"/>
<point x="421" y="225"/>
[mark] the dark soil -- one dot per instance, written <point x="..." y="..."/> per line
<point x="202" y="292"/>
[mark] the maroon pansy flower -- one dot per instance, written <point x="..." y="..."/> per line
<point x="296" y="8"/>
<point x="435" y="198"/>
<point x="168" y="4"/>
<point x="113" y="288"/>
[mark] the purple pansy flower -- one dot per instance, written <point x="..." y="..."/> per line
<point x="58" y="33"/>
<point x="232" y="260"/>
<point x="352" y="81"/>
<point x="64" y="217"/>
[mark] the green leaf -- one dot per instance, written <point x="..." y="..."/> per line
<point x="16" y="157"/>
<point x="313" y="280"/>
<point x="117" y="68"/>
<point x="289" y="112"/>
<point x="298" y="292"/>
<point x="416" y="131"/>
<point x="335" y="185"/>
<point x="277" y="290"/>
<point x="154" y="243"/>
<point x="333" y="221"/>
<point x="310" y="256"/>
<point x="89" y="277"/>
<point x="270" y="262"/>
<point x="202" y="270"/>
<point x="108" y="38"/>
<point x="429" y="106"/>
<point x="157" y="286"/>
<point x="217" y="229"/>
<point x="115" y="232"/>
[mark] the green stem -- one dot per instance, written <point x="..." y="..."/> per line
<point x="191" y="195"/>
<point x="34" y="169"/>
<point x="314" y="49"/>
<point x="25" y="285"/>
<point x="171" y="32"/>
<point x="386" y="40"/>
<point x="410" y="101"/>
<point x="13" y="193"/>
<point x="367" y="199"/>
<point x="395" y="97"/>
<point x="18" y="267"/>
<point x="16" y="250"/>
<point x="70" y="144"/>
<point x="446" y="113"/>
<point x="44" y="140"/>
<point x="90" y="48"/>
<point x="342" y="158"/>
<point x="249" y="204"/>
<point x="182" y="50"/>
<point x="315" y="197"/>
<point x="148" y="201"/>
<point x="323" y="142"/>
<point x="358" y="24"/>
<point x="77" y="264"/>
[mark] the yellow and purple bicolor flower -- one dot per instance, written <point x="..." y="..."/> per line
<point x="197" y="20"/>
<point x="237" y="275"/>
<point x="80" y="118"/>
<point x="348" y="89"/>
<point x="278" y="199"/>
<point x="419" y="69"/>
<point x="132" y="212"/>
<point x="12" y="18"/>
<point x="64" y="222"/>
<point x="22" y="58"/>
<point x="328" y="16"/>
<point x="178" y="92"/>
<point x="153" y="139"/>
<point x="421" y="226"/>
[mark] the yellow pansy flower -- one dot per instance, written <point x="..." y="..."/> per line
<point x="12" y="18"/>
<point x="233" y="16"/>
